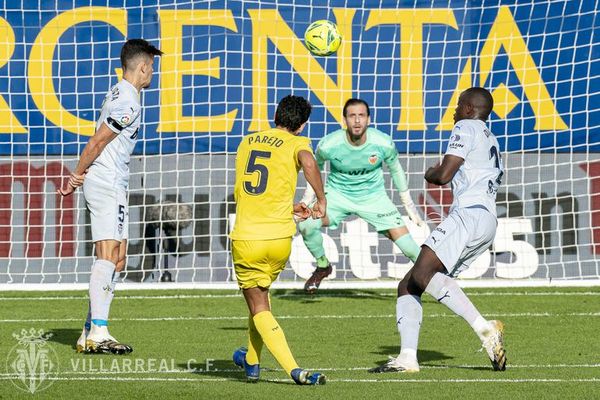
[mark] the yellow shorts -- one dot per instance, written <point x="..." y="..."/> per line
<point x="258" y="263"/>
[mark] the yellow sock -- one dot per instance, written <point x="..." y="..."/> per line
<point x="255" y="343"/>
<point x="274" y="338"/>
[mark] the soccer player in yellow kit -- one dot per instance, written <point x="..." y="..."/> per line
<point x="266" y="172"/>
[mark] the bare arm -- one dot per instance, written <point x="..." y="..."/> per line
<point x="443" y="173"/>
<point x="91" y="151"/>
<point x="313" y="177"/>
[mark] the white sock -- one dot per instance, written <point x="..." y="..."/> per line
<point x="409" y="315"/>
<point x="101" y="291"/>
<point x="445" y="290"/>
<point x="88" y="320"/>
<point x="115" y="278"/>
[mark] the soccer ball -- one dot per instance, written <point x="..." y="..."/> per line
<point x="322" y="38"/>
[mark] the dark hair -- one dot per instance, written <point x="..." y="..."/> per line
<point x="134" y="48"/>
<point x="292" y="112"/>
<point x="481" y="100"/>
<point x="353" y="102"/>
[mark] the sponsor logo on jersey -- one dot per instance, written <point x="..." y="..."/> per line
<point x="115" y="93"/>
<point x="454" y="142"/>
<point x="373" y="159"/>
<point x="356" y="172"/>
<point x="125" y="119"/>
<point x="389" y="214"/>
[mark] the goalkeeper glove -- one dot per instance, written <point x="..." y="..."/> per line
<point x="411" y="209"/>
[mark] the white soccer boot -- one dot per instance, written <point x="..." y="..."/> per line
<point x="401" y="363"/>
<point x="80" y="346"/>
<point x="100" y="341"/>
<point x="492" y="341"/>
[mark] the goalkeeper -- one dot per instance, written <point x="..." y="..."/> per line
<point x="355" y="186"/>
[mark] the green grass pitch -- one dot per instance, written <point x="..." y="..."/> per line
<point x="183" y="341"/>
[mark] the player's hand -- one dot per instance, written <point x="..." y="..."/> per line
<point x="319" y="210"/>
<point x="411" y="209"/>
<point x="413" y="214"/>
<point x="301" y="212"/>
<point x="75" y="181"/>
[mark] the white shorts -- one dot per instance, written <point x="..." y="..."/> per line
<point x="462" y="237"/>
<point x="108" y="210"/>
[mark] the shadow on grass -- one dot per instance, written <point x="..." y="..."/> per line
<point x="430" y="358"/>
<point x="303" y="297"/>
<point x="225" y="369"/>
<point x="234" y="328"/>
<point x="422" y="354"/>
<point x="65" y="336"/>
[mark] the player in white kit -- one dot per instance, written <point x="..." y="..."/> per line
<point x="103" y="170"/>
<point x="473" y="163"/>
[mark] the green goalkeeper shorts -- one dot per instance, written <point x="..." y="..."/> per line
<point x="376" y="209"/>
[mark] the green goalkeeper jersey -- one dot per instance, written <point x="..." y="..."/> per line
<point x="357" y="171"/>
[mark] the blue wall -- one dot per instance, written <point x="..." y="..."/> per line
<point x="561" y="37"/>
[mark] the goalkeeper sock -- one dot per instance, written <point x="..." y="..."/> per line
<point x="101" y="291"/>
<point x="274" y="338"/>
<point x="445" y="290"/>
<point x="255" y="343"/>
<point x="322" y="262"/>
<point x="310" y="229"/>
<point x="408" y="246"/>
<point x="409" y="315"/>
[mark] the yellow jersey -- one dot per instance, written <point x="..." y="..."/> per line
<point x="266" y="172"/>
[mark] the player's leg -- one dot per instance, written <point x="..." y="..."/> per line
<point x="457" y="241"/>
<point x="109" y="219"/>
<point x="268" y="327"/>
<point x="119" y="266"/>
<point x="310" y="229"/>
<point x="101" y="292"/>
<point x="409" y="311"/>
<point x="255" y="277"/>
<point x="404" y="241"/>
<point x="338" y="208"/>
<point x="409" y="316"/>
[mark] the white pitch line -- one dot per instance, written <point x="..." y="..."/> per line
<point x="108" y="371"/>
<point x="364" y="316"/>
<point x="533" y="380"/>
<point x="300" y="295"/>
<point x="342" y="380"/>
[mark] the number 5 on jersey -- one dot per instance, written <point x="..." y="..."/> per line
<point x="254" y="165"/>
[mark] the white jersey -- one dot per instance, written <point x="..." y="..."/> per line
<point x="121" y="112"/>
<point x="476" y="181"/>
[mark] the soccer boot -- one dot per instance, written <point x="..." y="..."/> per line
<point x="106" y="344"/>
<point x="312" y="284"/>
<point x="252" y="371"/>
<point x="397" y="364"/>
<point x="303" y="377"/>
<point x="493" y="343"/>
<point x="80" y="346"/>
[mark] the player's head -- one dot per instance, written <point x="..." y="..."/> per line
<point x="137" y="59"/>
<point x="354" y="102"/>
<point x="357" y="117"/>
<point x="292" y="113"/>
<point x="474" y="103"/>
